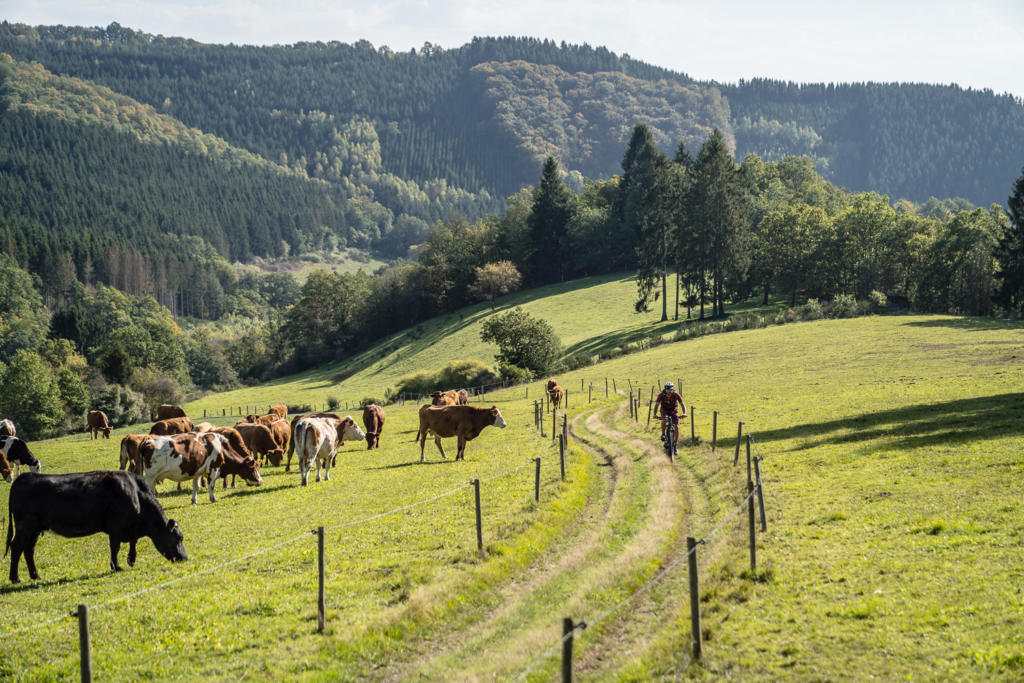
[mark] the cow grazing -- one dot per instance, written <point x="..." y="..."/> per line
<point x="120" y="504"/>
<point x="464" y="422"/>
<point x="281" y="410"/>
<point x="260" y="441"/>
<point x="5" y="469"/>
<point x="184" y="457"/>
<point x="555" y="393"/>
<point x="130" y="452"/>
<point x="17" y="453"/>
<point x="463" y="397"/>
<point x="170" y="426"/>
<point x="96" y="420"/>
<point x="291" y="442"/>
<point x="444" y="398"/>
<point x="261" y="419"/>
<point x="166" y="411"/>
<point x="373" y="420"/>
<point x="237" y="459"/>
<point x="7" y="428"/>
<point x="281" y="431"/>
<point x="317" y="440"/>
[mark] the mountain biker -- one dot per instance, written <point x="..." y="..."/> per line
<point x="669" y="401"/>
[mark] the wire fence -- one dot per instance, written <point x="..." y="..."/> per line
<point x="634" y="387"/>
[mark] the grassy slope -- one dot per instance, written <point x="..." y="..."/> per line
<point x="891" y="446"/>
<point x="589" y="315"/>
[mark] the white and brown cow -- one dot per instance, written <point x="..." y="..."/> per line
<point x="317" y="440"/>
<point x="184" y="457"/>
<point x="16" y="453"/>
<point x="7" y="428"/>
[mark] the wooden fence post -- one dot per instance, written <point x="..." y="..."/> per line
<point x="614" y="387"/>
<point x="568" y="629"/>
<point x="760" y="493"/>
<point x="590" y="393"/>
<point x="691" y="563"/>
<point x="749" y="469"/>
<point x="479" y="524"/>
<point x="606" y="387"/>
<point x="554" y="429"/>
<point x="84" y="650"/>
<point x="714" y="431"/>
<point x="693" y="434"/>
<point x="565" y="427"/>
<point x="561" y="455"/>
<point x="566" y="399"/>
<point x="753" y="538"/>
<point x="536" y="481"/>
<point x="739" y="437"/>
<point x="320" y="601"/>
<point x="581" y="384"/>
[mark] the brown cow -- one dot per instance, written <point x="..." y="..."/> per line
<point x="281" y="410"/>
<point x="97" y="422"/>
<point x="260" y="442"/>
<point x="130" y="451"/>
<point x="282" y="432"/>
<point x="463" y="397"/>
<point x="291" y="439"/>
<point x="166" y="411"/>
<point x="464" y="422"/>
<point x="444" y="398"/>
<point x="262" y="419"/>
<point x="182" y="457"/>
<point x="373" y="420"/>
<point x="175" y="425"/>
<point x="555" y="393"/>
<point x="5" y="469"/>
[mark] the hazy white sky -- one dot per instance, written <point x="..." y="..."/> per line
<point x="977" y="43"/>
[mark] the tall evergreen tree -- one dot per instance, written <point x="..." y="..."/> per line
<point x="553" y="207"/>
<point x="659" y="217"/>
<point x="1011" y="250"/>
<point x="637" y="178"/>
<point x="718" y="204"/>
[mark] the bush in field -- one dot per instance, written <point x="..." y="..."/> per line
<point x="513" y="374"/>
<point x="877" y="301"/>
<point x="523" y="340"/>
<point x="811" y="310"/>
<point x="844" y="306"/>
<point x="332" y="403"/>
<point x="494" y="280"/>
<point x="455" y="375"/>
<point x="122" y="405"/>
<point x="363" y="402"/>
<point x="156" y="388"/>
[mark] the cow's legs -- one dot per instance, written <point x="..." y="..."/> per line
<point x="423" y="444"/>
<point x="131" y="552"/>
<point x="437" y="440"/>
<point x="16" y="550"/>
<point x="304" y="469"/>
<point x="461" y="455"/>
<point x="327" y="467"/>
<point x="115" y="548"/>
<point x="212" y="484"/>
<point x="30" y="555"/>
<point x="195" y="489"/>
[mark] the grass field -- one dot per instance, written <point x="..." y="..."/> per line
<point x="891" y="460"/>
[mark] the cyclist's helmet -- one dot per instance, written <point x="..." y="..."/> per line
<point x="669" y="385"/>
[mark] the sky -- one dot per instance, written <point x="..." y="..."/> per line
<point x="978" y="44"/>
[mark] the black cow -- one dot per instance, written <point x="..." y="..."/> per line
<point x="119" y="503"/>
<point x="17" y="452"/>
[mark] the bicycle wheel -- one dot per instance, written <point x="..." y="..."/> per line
<point x="670" y="439"/>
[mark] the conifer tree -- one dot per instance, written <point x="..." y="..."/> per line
<point x="1011" y="250"/>
<point x="553" y="208"/>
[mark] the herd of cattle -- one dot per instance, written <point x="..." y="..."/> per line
<point x="123" y="504"/>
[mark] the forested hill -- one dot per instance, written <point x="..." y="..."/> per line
<point x="266" y="151"/>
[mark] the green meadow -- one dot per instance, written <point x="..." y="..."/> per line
<point x="891" y="463"/>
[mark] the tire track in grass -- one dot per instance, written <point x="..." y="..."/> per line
<point x="553" y="572"/>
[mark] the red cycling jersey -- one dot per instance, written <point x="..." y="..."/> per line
<point x="669" y="401"/>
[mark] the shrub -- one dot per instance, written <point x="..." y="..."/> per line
<point x="454" y="375"/>
<point x="29" y="395"/>
<point x="877" y="301"/>
<point x="299" y="408"/>
<point x="514" y="374"/>
<point x="156" y="388"/>
<point x="844" y="306"/>
<point x="122" y="405"/>
<point x="579" y="360"/>
<point x="363" y="402"/>
<point x="333" y="403"/>
<point x="811" y="310"/>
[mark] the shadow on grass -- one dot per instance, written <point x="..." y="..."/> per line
<point x="970" y="323"/>
<point x="412" y="463"/>
<point x="925" y="424"/>
<point x="28" y="584"/>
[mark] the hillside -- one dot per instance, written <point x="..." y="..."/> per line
<point x="886" y="462"/>
<point x="406" y="139"/>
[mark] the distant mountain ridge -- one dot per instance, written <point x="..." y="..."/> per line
<point x="266" y="151"/>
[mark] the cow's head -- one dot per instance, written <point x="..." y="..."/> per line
<point x="169" y="541"/>
<point x="552" y="384"/>
<point x="106" y="432"/>
<point x="371" y="440"/>
<point x="498" y="420"/>
<point x="435" y="398"/>
<point x="253" y="418"/>
<point x="348" y="430"/>
<point x="250" y="472"/>
<point x="276" y="456"/>
<point x="5" y="468"/>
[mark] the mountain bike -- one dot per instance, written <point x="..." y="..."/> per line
<point x="670" y="438"/>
